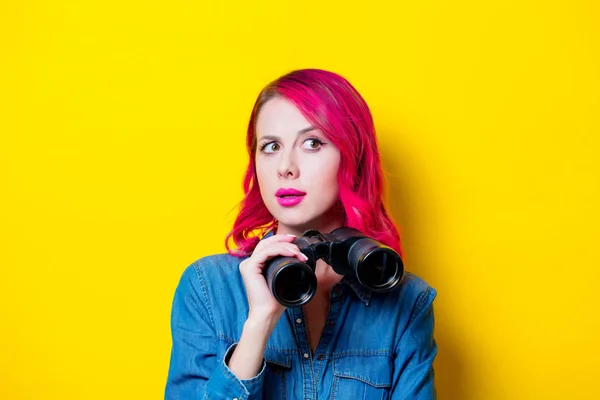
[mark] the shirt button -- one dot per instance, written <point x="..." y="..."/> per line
<point x="299" y="320"/>
<point x="320" y="357"/>
<point x="305" y="355"/>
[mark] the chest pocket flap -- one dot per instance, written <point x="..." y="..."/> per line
<point x="277" y="358"/>
<point x="374" y="370"/>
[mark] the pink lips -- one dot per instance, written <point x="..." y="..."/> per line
<point x="289" y="197"/>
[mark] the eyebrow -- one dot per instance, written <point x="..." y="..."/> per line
<point x="300" y="132"/>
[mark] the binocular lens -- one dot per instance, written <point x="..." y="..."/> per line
<point x="378" y="268"/>
<point x="292" y="283"/>
<point x="379" y="271"/>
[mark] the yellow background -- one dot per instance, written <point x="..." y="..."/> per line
<point x="122" y="130"/>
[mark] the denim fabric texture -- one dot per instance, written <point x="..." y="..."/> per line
<point x="374" y="346"/>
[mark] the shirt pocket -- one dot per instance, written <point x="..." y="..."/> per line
<point x="276" y="371"/>
<point x="362" y="377"/>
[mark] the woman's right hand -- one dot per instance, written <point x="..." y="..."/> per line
<point x="265" y="311"/>
<point x="261" y="302"/>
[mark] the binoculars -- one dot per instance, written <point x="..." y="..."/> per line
<point x="376" y="266"/>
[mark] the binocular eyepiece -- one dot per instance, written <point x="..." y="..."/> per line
<point x="376" y="266"/>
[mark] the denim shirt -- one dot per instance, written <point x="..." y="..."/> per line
<point x="373" y="345"/>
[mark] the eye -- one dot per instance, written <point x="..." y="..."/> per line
<point x="312" y="144"/>
<point x="270" y="147"/>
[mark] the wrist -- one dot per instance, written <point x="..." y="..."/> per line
<point x="260" y="323"/>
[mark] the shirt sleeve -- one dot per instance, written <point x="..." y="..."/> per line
<point x="195" y="370"/>
<point x="413" y="367"/>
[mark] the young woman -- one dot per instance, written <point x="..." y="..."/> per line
<point x="314" y="164"/>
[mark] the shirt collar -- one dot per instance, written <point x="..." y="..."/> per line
<point x="362" y="292"/>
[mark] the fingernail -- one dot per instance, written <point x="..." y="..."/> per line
<point x="305" y="257"/>
<point x="289" y="234"/>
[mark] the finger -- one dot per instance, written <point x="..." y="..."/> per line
<point x="280" y="249"/>
<point x="281" y="238"/>
<point x="299" y="255"/>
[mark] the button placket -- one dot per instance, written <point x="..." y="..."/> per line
<point x="299" y="329"/>
<point x="300" y="332"/>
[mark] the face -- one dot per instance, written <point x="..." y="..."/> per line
<point x="297" y="170"/>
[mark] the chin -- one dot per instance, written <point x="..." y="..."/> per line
<point x="296" y="223"/>
<point x="300" y="223"/>
<point x="291" y="218"/>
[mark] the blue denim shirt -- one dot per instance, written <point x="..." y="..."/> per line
<point x="373" y="346"/>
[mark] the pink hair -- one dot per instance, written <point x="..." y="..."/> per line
<point x="334" y="106"/>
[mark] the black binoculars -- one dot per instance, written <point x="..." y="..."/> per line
<point x="376" y="266"/>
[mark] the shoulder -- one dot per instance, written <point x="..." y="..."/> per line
<point x="215" y="281"/>
<point x="212" y="268"/>
<point x="417" y="293"/>
<point x="411" y="309"/>
<point x="412" y="297"/>
<point x="217" y="264"/>
<point x="414" y="286"/>
<point x="412" y="289"/>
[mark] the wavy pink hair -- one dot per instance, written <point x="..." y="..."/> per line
<point x="333" y="105"/>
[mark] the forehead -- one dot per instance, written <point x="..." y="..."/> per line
<point x="279" y="117"/>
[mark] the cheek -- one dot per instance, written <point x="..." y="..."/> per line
<point x="262" y="177"/>
<point x="262" y="170"/>
<point x="326" y="173"/>
<point x="333" y="168"/>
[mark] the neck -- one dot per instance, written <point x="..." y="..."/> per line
<point x="326" y="278"/>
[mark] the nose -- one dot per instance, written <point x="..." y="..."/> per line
<point x="287" y="168"/>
